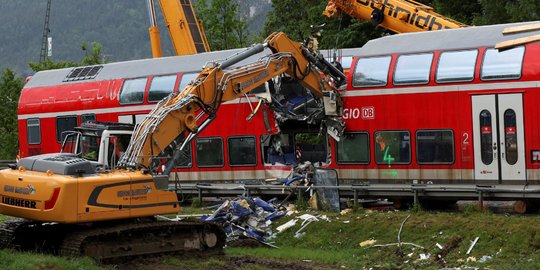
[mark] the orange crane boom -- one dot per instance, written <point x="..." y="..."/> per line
<point x="186" y="32"/>
<point x="400" y="16"/>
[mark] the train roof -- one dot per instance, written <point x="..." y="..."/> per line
<point x="146" y="67"/>
<point x="451" y="39"/>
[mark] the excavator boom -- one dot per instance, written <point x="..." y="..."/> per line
<point x="166" y="125"/>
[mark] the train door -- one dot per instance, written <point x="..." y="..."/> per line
<point x="499" y="144"/>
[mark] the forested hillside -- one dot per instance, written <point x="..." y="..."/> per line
<point x="119" y="25"/>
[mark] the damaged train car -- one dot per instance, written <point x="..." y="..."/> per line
<point x="440" y="107"/>
<point x="100" y="103"/>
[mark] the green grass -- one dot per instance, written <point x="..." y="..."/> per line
<point x="512" y="241"/>
<point x="10" y="259"/>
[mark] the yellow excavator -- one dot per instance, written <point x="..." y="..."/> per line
<point x="186" y="32"/>
<point x="67" y="205"/>
<point x="399" y="16"/>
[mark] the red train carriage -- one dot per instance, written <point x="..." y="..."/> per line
<point x="433" y="107"/>
<point x="442" y="107"/>
<point x="54" y="102"/>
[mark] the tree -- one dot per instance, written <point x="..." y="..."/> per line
<point x="93" y="57"/>
<point x="224" y="28"/>
<point x="10" y="89"/>
<point x="463" y="11"/>
<point x="295" y="18"/>
<point x="493" y="12"/>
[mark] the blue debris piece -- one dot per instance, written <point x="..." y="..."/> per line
<point x="264" y="205"/>
<point x="246" y="217"/>
<point x="275" y="215"/>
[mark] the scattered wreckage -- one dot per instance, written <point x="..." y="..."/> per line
<point x="251" y="217"/>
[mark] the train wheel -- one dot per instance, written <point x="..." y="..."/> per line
<point x="438" y="204"/>
<point x="402" y="203"/>
<point x="525" y="206"/>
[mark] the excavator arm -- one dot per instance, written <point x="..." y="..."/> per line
<point x="399" y="16"/>
<point x="177" y="119"/>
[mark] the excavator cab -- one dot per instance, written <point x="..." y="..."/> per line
<point x="101" y="143"/>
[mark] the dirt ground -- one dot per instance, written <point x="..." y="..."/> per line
<point x="225" y="263"/>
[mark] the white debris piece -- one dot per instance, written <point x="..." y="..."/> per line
<point x="287" y="225"/>
<point x="485" y="258"/>
<point x="472" y="245"/>
<point x="424" y="256"/>
<point x="308" y="217"/>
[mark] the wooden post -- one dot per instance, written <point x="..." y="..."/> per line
<point x="481" y="200"/>
<point x="355" y="204"/>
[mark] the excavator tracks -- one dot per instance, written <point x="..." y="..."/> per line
<point x="113" y="240"/>
<point x="128" y="240"/>
<point x="29" y="235"/>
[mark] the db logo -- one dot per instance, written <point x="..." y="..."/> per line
<point x="356" y="113"/>
<point x="368" y="112"/>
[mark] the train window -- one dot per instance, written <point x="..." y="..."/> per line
<point x="161" y="87"/>
<point x="278" y="149"/>
<point x="346" y="62"/>
<point x="242" y="151"/>
<point x="133" y="91"/>
<point x="209" y="152"/>
<point x="185" y="160"/>
<point x="353" y="148"/>
<point x="435" y="147"/>
<point x="310" y="147"/>
<point x="34" y="131"/>
<point x="392" y="147"/>
<point x="486" y="137"/>
<point x="502" y="65"/>
<point x="413" y="69"/>
<point x="371" y="71"/>
<point x="456" y="66"/>
<point x="186" y="78"/>
<point x="64" y="123"/>
<point x="510" y="137"/>
<point x="90" y="117"/>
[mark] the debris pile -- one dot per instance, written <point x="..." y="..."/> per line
<point x="246" y="217"/>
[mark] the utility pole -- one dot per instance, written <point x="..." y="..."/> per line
<point x="45" y="38"/>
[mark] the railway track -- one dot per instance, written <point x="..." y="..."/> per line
<point x="526" y="196"/>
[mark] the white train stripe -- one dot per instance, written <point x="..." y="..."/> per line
<point x="441" y="88"/>
<point x="120" y="109"/>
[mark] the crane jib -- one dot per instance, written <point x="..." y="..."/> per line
<point x="430" y="20"/>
